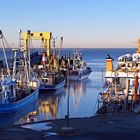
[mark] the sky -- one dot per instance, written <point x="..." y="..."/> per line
<point x="82" y="23"/>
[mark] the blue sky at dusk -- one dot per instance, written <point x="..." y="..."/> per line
<point x="82" y="23"/>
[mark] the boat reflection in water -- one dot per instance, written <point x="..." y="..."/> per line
<point x="49" y="104"/>
<point x="18" y="117"/>
<point x="79" y="88"/>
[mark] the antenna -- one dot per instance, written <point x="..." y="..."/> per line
<point x="19" y="31"/>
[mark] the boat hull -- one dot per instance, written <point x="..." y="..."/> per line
<point x="11" y="119"/>
<point x="13" y="107"/>
<point x="81" y="76"/>
<point x="53" y="87"/>
<point x="78" y="77"/>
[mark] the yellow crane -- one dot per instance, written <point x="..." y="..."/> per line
<point x="43" y="36"/>
<point x="138" y="45"/>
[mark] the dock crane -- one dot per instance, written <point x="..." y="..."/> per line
<point x="43" y="36"/>
<point x="138" y="42"/>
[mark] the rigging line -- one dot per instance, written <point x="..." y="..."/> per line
<point x="29" y="53"/>
<point x="95" y="109"/>
<point x="8" y="71"/>
<point x="31" y="47"/>
<point x="6" y="42"/>
<point x="9" y="47"/>
<point x="102" y="89"/>
<point x="42" y="46"/>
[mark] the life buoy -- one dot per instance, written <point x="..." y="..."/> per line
<point x="135" y="74"/>
<point x="107" y="82"/>
<point x="116" y="74"/>
<point x="85" y="64"/>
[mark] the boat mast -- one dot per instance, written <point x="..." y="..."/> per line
<point x="54" y="45"/>
<point x="26" y="66"/>
<point x="1" y="36"/>
<point x="15" y="54"/>
<point x="14" y="66"/>
<point x="61" y="43"/>
<point x="28" y="57"/>
<point x="54" y="54"/>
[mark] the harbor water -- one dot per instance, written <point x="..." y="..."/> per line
<point x="81" y="96"/>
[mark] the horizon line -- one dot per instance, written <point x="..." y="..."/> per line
<point x="79" y="48"/>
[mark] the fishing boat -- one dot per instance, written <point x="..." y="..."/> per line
<point x="50" y="76"/>
<point x="122" y="83"/>
<point x="52" y="80"/>
<point x="18" y="117"/>
<point x="19" y="88"/>
<point x="117" y="97"/>
<point x="128" y="67"/>
<point x="46" y="67"/>
<point x="79" y="69"/>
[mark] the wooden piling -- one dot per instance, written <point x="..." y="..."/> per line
<point x="127" y="92"/>
<point x="136" y="90"/>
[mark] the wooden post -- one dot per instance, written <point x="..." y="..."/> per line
<point x="68" y="84"/>
<point x="127" y="91"/>
<point x="102" y="78"/>
<point x="136" y="90"/>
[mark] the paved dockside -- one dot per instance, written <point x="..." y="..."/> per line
<point x="116" y="126"/>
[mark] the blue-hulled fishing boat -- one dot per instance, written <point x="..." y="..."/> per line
<point x="20" y="88"/>
<point x="18" y="117"/>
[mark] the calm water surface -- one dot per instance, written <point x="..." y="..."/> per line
<point x="82" y="94"/>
